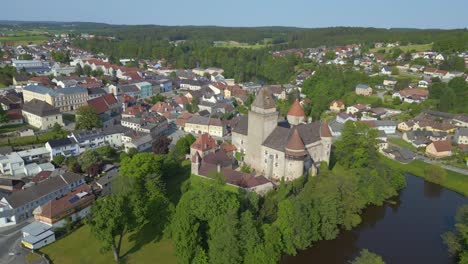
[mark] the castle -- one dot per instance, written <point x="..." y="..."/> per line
<point x="281" y="150"/>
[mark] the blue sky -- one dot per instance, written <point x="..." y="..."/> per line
<point x="300" y="13"/>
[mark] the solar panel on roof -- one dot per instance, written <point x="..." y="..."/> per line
<point x="74" y="199"/>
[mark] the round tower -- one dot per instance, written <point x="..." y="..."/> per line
<point x="296" y="114"/>
<point x="295" y="154"/>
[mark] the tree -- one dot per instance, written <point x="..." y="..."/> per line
<point x="3" y="116"/>
<point x="358" y="146"/>
<point x="87" y="70"/>
<point x="330" y="55"/>
<point x="182" y="146"/>
<point x="367" y="257"/>
<point x="112" y="217"/>
<point x="87" y="118"/>
<point x="447" y="100"/>
<point x="58" y="160"/>
<point x="79" y="70"/>
<point x="161" y="145"/>
<point x="435" y="174"/>
<point x="72" y="164"/>
<point x="395" y="70"/>
<point x="457" y="239"/>
<point x="88" y="159"/>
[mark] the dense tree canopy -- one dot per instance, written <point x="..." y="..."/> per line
<point x="87" y="118"/>
<point x="457" y="240"/>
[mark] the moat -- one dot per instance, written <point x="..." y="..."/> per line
<point x="406" y="229"/>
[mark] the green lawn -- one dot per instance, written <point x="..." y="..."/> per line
<point x="25" y="39"/>
<point x="81" y="247"/>
<point x="30" y="140"/>
<point x="235" y="44"/>
<point x="407" y="48"/>
<point x="400" y="142"/>
<point x="454" y="181"/>
<point x="10" y="128"/>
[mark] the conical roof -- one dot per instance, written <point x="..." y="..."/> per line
<point x="264" y="99"/>
<point x="296" y="109"/>
<point x="295" y="146"/>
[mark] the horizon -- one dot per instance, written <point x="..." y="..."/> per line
<point x="223" y="26"/>
<point x="244" y="13"/>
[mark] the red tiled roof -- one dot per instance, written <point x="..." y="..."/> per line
<point x="56" y="208"/>
<point x="442" y="145"/>
<point x="228" y="147"/>
<point x="101" y="104"/>
<point x="296" y="109"/>
<point x="182" y="100"/>
<point x="43" y="175"/>
<point x="414" y="92"/>
<point x="127" y="98"/>
<point x="295" y="146"/>
<point x="162" y="107"/>
<point x="325" y="130"/>
<point x="134" y="110"/>
<point x="204" y="142"/>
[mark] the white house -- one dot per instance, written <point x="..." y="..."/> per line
<point x="37" y="235"/>
<point x="66" y="147"/>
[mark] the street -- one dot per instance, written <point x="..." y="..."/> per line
<point x="11" y="251"/>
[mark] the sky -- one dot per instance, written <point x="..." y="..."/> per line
<point x="247" y="13"/>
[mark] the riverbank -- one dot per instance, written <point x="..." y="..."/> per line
<point x="454" y="181"/>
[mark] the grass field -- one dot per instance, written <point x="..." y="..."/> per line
<point x="454" y="181"/>
<point x="407" y="48"/>
<point x="22" y="39"/>
<point x="400" y="142"/>
<point x="30" y="140"/>
<point x="81" y="247"/>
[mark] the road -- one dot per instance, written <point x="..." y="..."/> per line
<point x="10" y="242"/>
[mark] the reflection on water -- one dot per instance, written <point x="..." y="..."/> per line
<point x="405" y="230"/>
<point x="432" y="190"/>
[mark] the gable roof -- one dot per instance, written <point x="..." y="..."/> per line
<point x="102" y="104"/>
<point x="442" y="145"/>
<point x="204" y="142"/>
<point x="40" y="108"/>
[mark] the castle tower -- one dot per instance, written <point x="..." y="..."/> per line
<point x="262" y="120"/>
<point x="295" y="154"/>
<point x="196" y="163"/>
<point x="296" y="114"/>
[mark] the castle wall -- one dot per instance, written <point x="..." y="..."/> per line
<point x="273" y="163"/>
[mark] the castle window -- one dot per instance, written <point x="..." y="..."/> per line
<point x="265" y="160"/>
<point x="276" y="156"/>
<point x="266" y="152"/>
<point x="276" y="164"/>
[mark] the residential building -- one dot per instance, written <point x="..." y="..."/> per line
<point x="203" y="145"/>
<point x="439" y="149"/>
<point x="107" y="136"/>
<point x="145" y="88"/>
<point x="461" y="136"/>
<point x="410" y="95"/>
<point x="362" y="89"/>
<point x="201" y="125"/>
<point x="337" y="106"/>
<point x="75" y="205"/>
<point x="19" y="206"/>
<point x="40" y="114"/>
<point x="150" y="123"/>
<point x="65" y="146"/>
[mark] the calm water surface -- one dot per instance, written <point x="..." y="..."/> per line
<point x="407" y="231"/>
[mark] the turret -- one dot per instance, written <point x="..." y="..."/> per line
<point x="296" y="114"/>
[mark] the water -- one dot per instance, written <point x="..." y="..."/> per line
<point x="407" y="231"/>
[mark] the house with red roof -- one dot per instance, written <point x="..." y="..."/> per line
<point x="106" y="106"/>
<point x="439" y="149"/>
<point x="75" y="205"/>
<point x="203" y="145"/>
